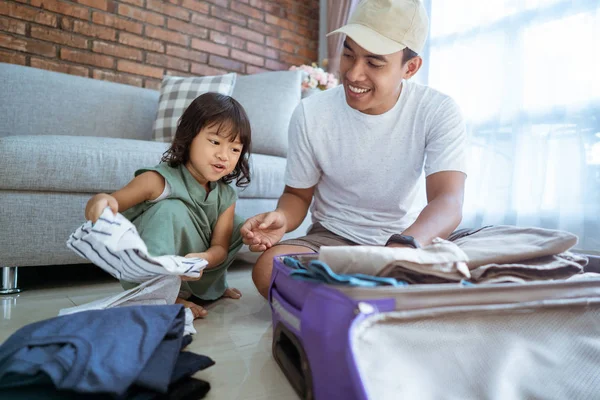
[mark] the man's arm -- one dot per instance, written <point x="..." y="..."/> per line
<point x="294" y="204"/>
<point x="443" y="213"/>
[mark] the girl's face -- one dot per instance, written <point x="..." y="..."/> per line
<point x="212" y="154"/>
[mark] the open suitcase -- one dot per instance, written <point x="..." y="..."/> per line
<point x="507" y="341"/>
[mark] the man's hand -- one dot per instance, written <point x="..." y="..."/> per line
<point x="96" y="205"/>
<point x="263" y="231"/>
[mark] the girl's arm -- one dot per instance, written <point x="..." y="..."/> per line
<point x="146" y="186"/>
<point x="220" y="240"/>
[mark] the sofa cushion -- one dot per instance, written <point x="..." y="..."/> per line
<point x="73" y="163"/>
<point x="266" y="178"/>
<point x="269" y="99"/>
<point x="81" y="164"/>
<point x="176" y="94"/>
<point x="40" y="102"/>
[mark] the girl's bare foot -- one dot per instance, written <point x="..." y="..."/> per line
<point x="198" y="311"/>
<point x="232" y="293"/>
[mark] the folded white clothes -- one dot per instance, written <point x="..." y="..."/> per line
<point x="441" y="259"/>
<point x="113" y="244"/>
<point x="161" y="290"/>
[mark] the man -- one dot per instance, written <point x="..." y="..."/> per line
<point x="358" y="150"/>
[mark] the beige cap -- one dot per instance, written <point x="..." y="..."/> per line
<point x="388" y="26"/>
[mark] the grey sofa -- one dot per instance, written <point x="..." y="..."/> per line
<point x="64" y="138"/>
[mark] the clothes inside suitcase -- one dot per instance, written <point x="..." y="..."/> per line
<point x="443" y="341"/>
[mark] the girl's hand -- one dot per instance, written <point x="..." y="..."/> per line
<point x="96" y="205"/>
<point x="189" y="278"/>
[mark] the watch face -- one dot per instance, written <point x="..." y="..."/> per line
<point x="403" y="239"/>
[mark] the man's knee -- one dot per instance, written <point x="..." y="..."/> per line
<point x="261" y="273"/>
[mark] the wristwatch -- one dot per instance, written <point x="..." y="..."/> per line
<point x="403" y="239"/>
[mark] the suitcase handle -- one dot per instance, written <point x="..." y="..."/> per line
<point x="290" y="356"/>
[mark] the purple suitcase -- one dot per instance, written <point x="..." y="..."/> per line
<point x="314" y="325"/>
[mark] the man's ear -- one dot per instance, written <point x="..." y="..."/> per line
<point x="412" y="66"/>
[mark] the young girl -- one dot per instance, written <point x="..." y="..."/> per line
<point x="184" y="206"/>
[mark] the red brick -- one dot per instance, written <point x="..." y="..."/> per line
<point x="293" y="59"/>
<point x="117" y="77"/>
<point x="205" y="70"/>
<point x="152" y="84"/>
<point x="225" y="63"/>
<point x="249" y="11"/>
<point x="92" y="30"/>
<point x="210" y="23"/>
<point x="228" y="40"/>
<point x="210" y="47"/>
<point x="251" y="69"/>
<point x="62" y="8"/>
<point x="276" y="65"/>
<point x="305" y="32"/>
<point x="13" y="26"/>
<point x="162" y="60"/>
<point x="27" y="45"/>
<point x="140" y="42"/>
<point x="178" y="73"/>
<point x="284" y="23"/>
<point x="287" y="35"/>
<point x="247" y="58"/>
<point x="228" y="15"/>
<point x="167" y="9"/>
<point x="139" y="3"/>
<point x="87" y="58"/>
<point x="27" y="13"/>
<point x="299" y="20"/>
<point x="116" y="50"/>
<point x="191" y="29"/>
<point x="261" y="27"/>
<point x="302" y="10"/>
<point x="268" y="7"/>
<point x="311" y="54"/>
<point x="222" y="3"/>
<point x="167" y="36"/>
<point x="281" y="45"/>
<point x="141" y="15"/>
<point x="12" y="57"/>
<point x="247" y="34"/>
<point x="196" y="5"/>
<point x="187" y="54"/>
<point x="262" y="50"/>
<point x="60" y="37"/>
<point x="140" y="69"/>
<point x="100" y="4"/>
<point x="118" y="23"/>
<point x="59" y="67"/>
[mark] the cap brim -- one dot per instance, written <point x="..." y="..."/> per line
<point x="370" y="40"/>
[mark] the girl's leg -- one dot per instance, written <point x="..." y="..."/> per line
<point x="167" y="228"/>
<point x="213" y="283"/>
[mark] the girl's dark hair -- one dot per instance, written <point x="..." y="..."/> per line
<point x="207" y="110"/>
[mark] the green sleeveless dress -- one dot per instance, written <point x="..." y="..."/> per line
<point x="183" y="223"/>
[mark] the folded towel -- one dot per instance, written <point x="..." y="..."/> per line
<point x="441" y="261"/>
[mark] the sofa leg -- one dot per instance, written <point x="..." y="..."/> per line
<point x="9" y="281"/>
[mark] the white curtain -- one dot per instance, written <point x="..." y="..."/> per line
<point x="526" y="74"/>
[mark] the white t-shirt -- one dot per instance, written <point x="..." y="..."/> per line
<point x="366" y="168"/>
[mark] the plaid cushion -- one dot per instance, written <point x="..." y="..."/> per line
<point x="176" y="94"/>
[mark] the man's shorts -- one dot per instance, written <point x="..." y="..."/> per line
<point x="316" y="237"/>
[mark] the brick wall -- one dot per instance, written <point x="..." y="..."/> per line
<point x="136" y="42"/>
